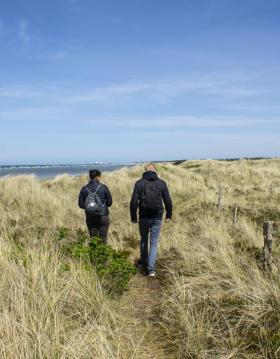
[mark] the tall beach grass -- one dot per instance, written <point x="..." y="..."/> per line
<point x="216" y="302"/>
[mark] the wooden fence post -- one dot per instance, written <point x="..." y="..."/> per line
<point x="220" y="197"/>
<point x="267" y="248"/>
<point x="234" y="218"/>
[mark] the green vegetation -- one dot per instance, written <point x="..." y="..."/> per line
<point x="112" y="266"/>
<point x="65" y="296"/>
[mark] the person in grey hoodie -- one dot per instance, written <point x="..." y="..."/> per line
<point x="149" y="194"/>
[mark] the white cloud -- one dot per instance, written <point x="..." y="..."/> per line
<point x="165" y="122"/>
<point x="18" y="29"/>
<point x="254" y="108"/>
<point x="19" y="92"/>
<point x="136" y="92"/>
<point x="111" y="19"/>
<point x="4" y="30"/>
<point x="22" y="31"/>
<point x="165" y="90"/>
<point x="29" y="91"/>
<point x="58" y="111"/>
<point x="52" y="56"/>
<point x="37" y="114"/>
<point x="234" y="92"/>
<point x="73" y="6"/>
<point x="56" y="55"/>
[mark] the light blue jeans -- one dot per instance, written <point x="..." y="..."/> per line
<point x="146" y="227"/>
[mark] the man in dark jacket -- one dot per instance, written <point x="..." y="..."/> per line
<point x="98" y="225"/>
<point x="148" y="194"/>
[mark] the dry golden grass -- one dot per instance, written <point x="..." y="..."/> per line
<point x="215" y="301"/>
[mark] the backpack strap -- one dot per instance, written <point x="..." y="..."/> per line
<point x="97" y="188"/>
<point x="88" y="189"/>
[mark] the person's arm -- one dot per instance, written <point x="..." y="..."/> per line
<point x="134" y="204"/>
<point x="81" y="201"/>
<point x="108" y="197"/>
<point x="167" y="202"/>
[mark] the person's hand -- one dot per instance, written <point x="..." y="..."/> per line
<point x="134" y="222"/>
<point x="167" y="219"/>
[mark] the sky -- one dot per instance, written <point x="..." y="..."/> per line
<point x="135" y="80"/>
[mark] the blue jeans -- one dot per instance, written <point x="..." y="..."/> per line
<point x="146" y="226"/>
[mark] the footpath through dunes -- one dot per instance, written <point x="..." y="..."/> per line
<point x="139" y="307"/>
<point x="212" y="300"/>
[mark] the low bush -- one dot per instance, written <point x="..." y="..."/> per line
<point x="113" y="267"/>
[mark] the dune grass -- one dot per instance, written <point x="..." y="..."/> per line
<point x="216" y="302"/>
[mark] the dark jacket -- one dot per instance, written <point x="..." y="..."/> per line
<point x="136" y="198"/>
<point x="103" y="193"/>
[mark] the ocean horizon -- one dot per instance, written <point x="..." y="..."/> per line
<point x="48" y="171"/>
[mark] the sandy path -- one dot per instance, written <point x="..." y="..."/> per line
<point x="139" y="305"/>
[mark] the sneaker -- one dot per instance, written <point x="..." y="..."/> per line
<point x="152" y="274"/>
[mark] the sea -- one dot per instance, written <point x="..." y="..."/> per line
<point x="49" y="171"/>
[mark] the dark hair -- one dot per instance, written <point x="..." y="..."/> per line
<point x="94" y="173"/>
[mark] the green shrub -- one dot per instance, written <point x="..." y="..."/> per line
<point x="111" y="266"/>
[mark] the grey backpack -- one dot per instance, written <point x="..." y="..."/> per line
<point x="93" y="204"/>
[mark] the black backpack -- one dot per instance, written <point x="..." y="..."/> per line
<point x="93" y="204"/>
<point x="151" y="197"/>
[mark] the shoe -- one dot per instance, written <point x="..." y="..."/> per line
<point x="152" y="274"/>
<point x="141" y="268"/>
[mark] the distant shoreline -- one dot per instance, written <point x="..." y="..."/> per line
<point x="51" y="171"/>
<point x="105" y="164"/>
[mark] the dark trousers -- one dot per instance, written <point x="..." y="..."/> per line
<point x="98" y="227"/>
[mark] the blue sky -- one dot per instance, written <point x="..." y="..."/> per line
<point x="129" y="80"/>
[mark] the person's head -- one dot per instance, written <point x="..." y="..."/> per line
<point x="150" y="167"/>
<point x="94" y="174"/>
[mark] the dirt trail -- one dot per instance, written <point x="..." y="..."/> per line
<point x="139" y="306"/>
